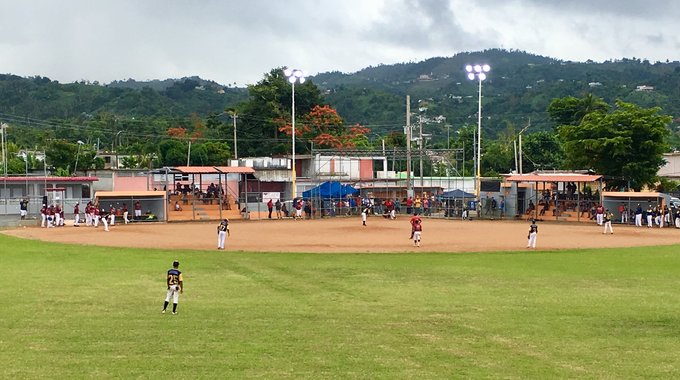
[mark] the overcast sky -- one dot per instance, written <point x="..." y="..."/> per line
<point x="232" y="41"/>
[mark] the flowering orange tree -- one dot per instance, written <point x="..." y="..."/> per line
<point x="326" y="129"/>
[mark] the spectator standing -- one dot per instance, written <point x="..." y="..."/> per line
<point x="409" y="205"/>
<point x="277" y="205"/>
<point x="623" y="210"/>
<point x="270" y="208"/>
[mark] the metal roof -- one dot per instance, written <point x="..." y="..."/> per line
<point x="631" y="194"/>
<point x="48" y="179"/>
<point x="553" y="177"/>
<point x="213" y="169"/>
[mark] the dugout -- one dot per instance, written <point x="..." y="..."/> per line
<point x="565" y="205"/>
<point x="154" y="203"/>
<point x="631" y="199"/>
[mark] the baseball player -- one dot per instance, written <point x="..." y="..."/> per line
<point x="23" y="208"/>
<point x="76" y="215"/>
<point x="608" y="216"/>
<point x="125" y="213"/>
<point x="222" y="232"/>
<point x="364" y="214"/>
<point x="175" y="287"/>
<point x="95" y="215"/>
<point x="414" y="219"/>
<point x="88" y="214"/>
<point x="105" y="219"/>
<point x="112" y="215"/>
<point x="50" y="216"/>
<point x="57" y="215"/>
<point x="417" y="231"/>
<point x="43" y="215"/>
<point x="138" y="210"/>
<point x="533" y="232"/>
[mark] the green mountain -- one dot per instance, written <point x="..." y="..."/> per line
<point x="42" y="98"/>
<point x="518" y="90"/>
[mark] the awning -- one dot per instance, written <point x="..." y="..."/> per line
<point x="214" y="169"/>
<point x="48" y="179"/>
<point x="631" y="194"/>
<point x="553" y="177"/>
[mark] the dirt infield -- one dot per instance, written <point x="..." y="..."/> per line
<point x="348" y="235"/>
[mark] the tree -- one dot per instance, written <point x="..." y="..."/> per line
<point x="268" y="106"/>
<point x="571" y="110"/>
<point x="541" y="151"/>
<point x="326" y="129"/>
<point x="626" y="145"/>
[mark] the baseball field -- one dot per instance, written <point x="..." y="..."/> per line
<point x="334" y="299"/>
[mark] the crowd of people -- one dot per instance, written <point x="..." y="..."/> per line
<point x="93" y="215"/>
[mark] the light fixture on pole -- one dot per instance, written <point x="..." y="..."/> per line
<point x="75" y="168"/>
<point x="478" y="72"/>
<point x="294" y="75"/>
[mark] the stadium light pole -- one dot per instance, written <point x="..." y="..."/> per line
<point x="75" y="167"/>
<point x="294" y="75"/>
<point x="478" y="72"/>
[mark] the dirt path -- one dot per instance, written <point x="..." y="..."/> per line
<point x="348" y="235"/>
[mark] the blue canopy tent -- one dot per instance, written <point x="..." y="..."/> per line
<point x="456" y="201"/>
<point x="330" y="189"/>
<point x="456" y="194"/>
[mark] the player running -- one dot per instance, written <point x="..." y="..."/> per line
<point x="175" y="287"/>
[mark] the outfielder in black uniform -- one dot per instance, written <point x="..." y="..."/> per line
<point x="175" y="287"/>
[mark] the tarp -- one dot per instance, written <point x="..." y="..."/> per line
<point x="456" y="194"/>
<point x="330" y="189"/>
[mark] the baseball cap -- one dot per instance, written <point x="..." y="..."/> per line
<point x="175" y="263"/>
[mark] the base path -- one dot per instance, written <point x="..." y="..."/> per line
<point x="348" y="235"/>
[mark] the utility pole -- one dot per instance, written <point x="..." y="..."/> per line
<point x="420" y="147"/>
<point x="189" y="154"/>
<point x="520" y="145"/>
<point x="409" y="188"/>
<point x="3" y="127"/>
<point x="235" y="116"/>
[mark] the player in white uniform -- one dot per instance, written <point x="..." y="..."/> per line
<point x="364" y="214"/>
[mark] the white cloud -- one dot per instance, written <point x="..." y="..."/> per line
<point x="229" y="41"/>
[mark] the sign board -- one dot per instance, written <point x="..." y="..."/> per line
<point x="273" y="195"/>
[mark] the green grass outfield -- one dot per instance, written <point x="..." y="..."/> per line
<point x="70" y="312"/>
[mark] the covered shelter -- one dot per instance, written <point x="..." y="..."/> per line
<point x="329" y="197"/>
<point x="39" y="190"/>
<point x="153" y="204"/>
<point x="574" y="196"/>
<point x="330" y="190"/>
<point x="631" y="199"/>
<point x="454" y="201"/>
<point x="205" y="192"/>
